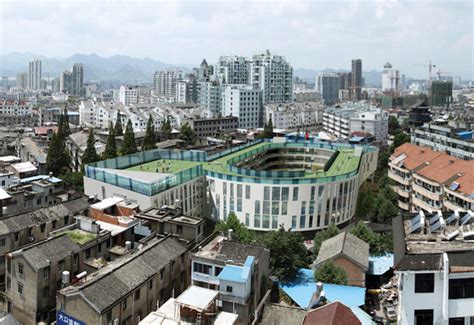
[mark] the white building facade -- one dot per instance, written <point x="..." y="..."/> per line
<point x="34" y="75"/>
<point x="390" y="78"/>
<point x="244" y="102"/>
<point x="294" y="115"/>
<point x="128" y="95"/>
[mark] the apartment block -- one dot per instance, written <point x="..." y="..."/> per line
<point x="128" y="289"/>
<point x="16" y="112"/>
<point x="431" y="180"/>
<point x="244" y="102"/>
<point x="238" y="271"/>
<point x="128" y="95"/>
<point x="294" y="115"/>
<point x="211" y="127"/>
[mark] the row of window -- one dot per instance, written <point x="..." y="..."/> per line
<point x="458" y="288"/>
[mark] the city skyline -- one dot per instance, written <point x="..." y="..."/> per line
<point x="182" y="32"/>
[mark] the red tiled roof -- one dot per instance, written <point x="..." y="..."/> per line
<point x="334" y="313"/>
<point x="45" y="129"/>
<point x="416" y="155"/>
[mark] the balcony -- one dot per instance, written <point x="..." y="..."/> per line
<point x="403" y="205"/>
<point x="423" y="205"/>
<point x="451" y="205"/>
<point x="225" y="296"/>
<point x="423" y="191"/>
<point x="201" y="277"/>
<point x="401" y="192"/>
<point x="398" y="178"/>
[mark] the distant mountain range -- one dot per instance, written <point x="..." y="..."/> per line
<point x="124" y="68"/>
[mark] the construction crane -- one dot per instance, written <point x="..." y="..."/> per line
<point x="430" y="67"/>
<point x="442" y="72"/>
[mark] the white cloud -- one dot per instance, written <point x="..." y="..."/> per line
<point x="312" y="34"/>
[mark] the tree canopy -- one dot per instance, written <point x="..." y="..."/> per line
<point x="400" y="138"/>
<point x="379" y="245"/>
<point x="149" y="141"/>
<point x="66" y="131"/>
<point x="118" y="125"/>
<point x="324" y="234"/>
<point x="287" y="253"/>
<point x="240" y="232"/>
<point x="393" y="125"/>
<point x="129" y="145"/>
<point x="166" y="128"/>
<point x="110" y="150"/>
<point x="90" y="154"/>
<point x="58" y="160"/>
<point x="187" y="134"/>
<point x="268" y="129"/>
<point x="331" y="273"/>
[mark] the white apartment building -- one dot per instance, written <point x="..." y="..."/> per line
<point x="357" y="117"/>
<point x="34" y="75"/>
<point x="273" y="75"/>
<point x="294" y="115"/>
<point x="434" y="261"/>
<point x="181" y="94"/>
<point x="128" y="95"/>
<point x="390" y="78"/>
<point x="244" y="102"/>
<point x="209" y="97"/>
<point x="165" y="82"/>
<point x="233" y="70"/>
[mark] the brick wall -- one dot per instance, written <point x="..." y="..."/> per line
<point x="355" y="274"/>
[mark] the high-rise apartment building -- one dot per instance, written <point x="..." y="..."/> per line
<point x="209" y="97"/>
<point x="244" y="102"/>
<point x="327" y="84"/>
<point x="65" y="82"/>
<point x="356" y="79"/>
<point x="22" y="80"/>
<point x="273" y="75"/>
<point x="441" y="93"/>
<point x="233" y="69"/>
<point x="165" y="83"/>
<point x="5" y="82"/>
<point x="77" y="79"/>
<point x="128" y="95"/>
<point x="34" y="75"/>
<point x="390" y="78"/>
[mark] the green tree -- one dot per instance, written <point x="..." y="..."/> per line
<point x="393" y="125"/>
<point x="61" y="127"/>
<point x="240" y="232"/>
<point x="58" y="160"/>
<point x="129" y="145"/>
<point x="90" y="154"/>
<point x="166" y="128"/>
<point x="375" y="241"/>
<point x="187" y="134"/>
<point x="324" y="234"/>
<point x="400" y="138"/>
<point x="287" y="253"/>
<point x="268" y="129"/>
<point x="149" y="141"/>
<point x="65" y="124"/>
<point x="331" y="273"/>
<point x="118" y="125"/>
<point x="73" y="180"/>
<point x="110" y="150"/>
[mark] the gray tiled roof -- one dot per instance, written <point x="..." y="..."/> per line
<point x="238" y="252"/>
<point x="53" y="250"/>
<point x="119" y="281"/>
<point x="274" y="314"/>
<point x="37" y="217"/>
<point x="344" y="243"/>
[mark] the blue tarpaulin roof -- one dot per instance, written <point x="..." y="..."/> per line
<point x="40" y="177"/>
<point x="465" y="134"/>
<point x="378" y="265"/>
<point x="356" y="139"/>
<point x="303" y="287"/>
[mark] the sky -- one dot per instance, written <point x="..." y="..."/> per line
<point x="311" y="34"/>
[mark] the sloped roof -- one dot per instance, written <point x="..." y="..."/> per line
<point x="274" y="314"/>
<point x="334" y="313"/>
<point x="238" y="252"/>
<point x="122" y="278"/>
<point x="347" y="244"/>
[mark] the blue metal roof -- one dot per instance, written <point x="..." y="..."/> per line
<point x="40" y="177"/>
<point x="378" y="265"/>
<point x="303" y="287"/>
<point x="356" y="139"/>
<point x="232" y="273"/>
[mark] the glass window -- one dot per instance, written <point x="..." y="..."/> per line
<point x="461" y="288"/>
<point x="276" y="194"/>
<point x="256" y="221"/>
<point x="247" y="191"/>
<point x="266" y="207"/>
<point x="276" y="207"/>
<point x="247" y="219"/>
<point x="424" y="282"/>
<point x="284" y="193"/>
<point x="257" y="206"/>
<point x="224" y="188"/>
<point x="424" y="317"/>
<point x="303" y="207"/>
<point x="302" y="221"/>
<point x="293" y="222"/>
<point x="313" y="191"/>
<point x="239" y="204"/>
<point x="266" y="221"/>
<point x="239" y="190"/>
<point x="284" y="208"/>
<point x="266" y="193"/>
<point x="231" y="206"/>
<point x="295" y="193"/>
<point x="274" y="222"/>
<point x="231" y="189"/>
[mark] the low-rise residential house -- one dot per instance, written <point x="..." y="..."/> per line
<point x="127" y="290"/>
<point x="196" y="305"/>
<point x="76" y="144"/>
<point x="348" y="252"/>
<point x="169" y="220"/>
<point x="238" y="271"/>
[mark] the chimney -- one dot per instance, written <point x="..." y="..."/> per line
<point x="65" y="278"/>
<point x="230" y="234"/>
<point x="128" y="245"/>
<point x="50" y="175"/>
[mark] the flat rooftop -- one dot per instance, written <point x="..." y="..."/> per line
<point x="165" y="166"/>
